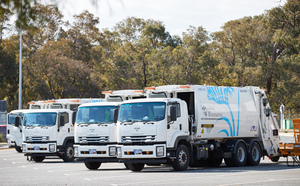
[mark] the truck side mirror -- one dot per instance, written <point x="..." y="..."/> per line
<point x="268" y="112"/>
<point x="173" y="113"/>
<point x="17" y="121"/>
<point x="62" y="121"/>
<point x="74" y="117"/>
<point x="265" y="101"/>
<point x="115" y="115"/>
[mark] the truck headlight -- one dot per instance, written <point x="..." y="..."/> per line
<point x="119" y="151"/>
<point x="112" y="151"/>
<point x="52" y="148"/>
<point x="159" y="151"/>
<point x="76" y="151"/>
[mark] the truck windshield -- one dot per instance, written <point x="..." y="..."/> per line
<point x="39" y="119"/>
<point x="142" y="112"/>
<point x="95" y="114"/>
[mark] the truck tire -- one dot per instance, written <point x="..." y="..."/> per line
<point x="68" y="155"/>
<point x="92" y="165"/>
<point x="18" y="149"/>
<point x="135" y="166"/>
<point x="254" y="155"/>
<point x="38" y="158"/>
<point x="275" y="158"/>
<point x="182" y="160"/>
<point x="239" y="157"/>
<point x="228" y="162"/>
<point x="214" y="162"/>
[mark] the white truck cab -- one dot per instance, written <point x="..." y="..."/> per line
<point x="14" y="132"/>
<point x="48" y="132"/>
<point x="95" y="131"/>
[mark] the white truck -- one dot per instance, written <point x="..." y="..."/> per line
<point x="13" y="132"/>
<point x="95" y="132"/>
<point x="195" y="125"/>
<point x="48" y="132"/>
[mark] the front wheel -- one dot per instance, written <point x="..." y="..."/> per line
<point x="92" y="165"/>
<point x="18" y="149"/>
<point x="38" y="158"/>
<point x="68" y="155"/>
<point x="135" y="166"/>
<point x="182" y="160"/>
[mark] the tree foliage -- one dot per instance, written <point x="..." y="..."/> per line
<point x="63" y="59"/>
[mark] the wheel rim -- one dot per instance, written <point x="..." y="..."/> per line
<point x="182" y="157"/>
<point x="241" y="154"/>
<point x="255" y="153"/>
<point x="70" y="152"/>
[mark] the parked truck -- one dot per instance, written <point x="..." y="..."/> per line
<point x="48" y="132"/>
<point x="195" y="125"/>
<point x="95" y="132"/>
<point x="14" y="132"/>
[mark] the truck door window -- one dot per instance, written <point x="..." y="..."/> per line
<point x="178" y="111"/>
<point x="66" y="117"/>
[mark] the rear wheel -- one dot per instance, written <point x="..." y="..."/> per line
<point x="68" y="155"/>
<point x="135" y="166"/>
<point x="38" y="158"/>
<point x="182" y="160"/>
<point x="254" y="154"/>
<point x="92" y="165"/>
<point x="239" y="157"/>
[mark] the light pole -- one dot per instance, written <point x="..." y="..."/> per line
<point x="20" y="72"/>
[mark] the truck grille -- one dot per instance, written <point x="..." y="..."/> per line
<point x="94" y="139"/>
<point x="37" y="138"/>
<point x="138" y="138"/>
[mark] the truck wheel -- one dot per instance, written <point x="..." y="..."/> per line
<point x="254" y="155"/>
<point x="239" y="157"/>
<point x="197" y="163"/>
<point x="228" y="162"/>
<point x="18" y="149"/>
<point x="182" y="160"/>
<point x="92" y="165"/>
<point x="68" y="155"/>
<point x="135" y="166"/>
<point x="214" y="162"/>
<point x="38" y="158"/>
<point x="275" y="158"/>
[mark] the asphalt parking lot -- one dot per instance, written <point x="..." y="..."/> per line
<point x="16" y="170"/>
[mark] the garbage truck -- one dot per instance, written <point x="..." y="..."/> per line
<point x="47" y="132"/>
<point x="95" y="132"/>
<point x="196" y="125"/>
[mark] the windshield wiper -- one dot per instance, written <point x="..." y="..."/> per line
<point x="149" y="122"/>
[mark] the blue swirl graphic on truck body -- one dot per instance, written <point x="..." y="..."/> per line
<point x="221" y="95"/>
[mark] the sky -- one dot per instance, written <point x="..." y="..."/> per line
<point x="176" y="15"/>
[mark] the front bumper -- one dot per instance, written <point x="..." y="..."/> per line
<point x="141" y="152"/>
<point x="95" y="151"/>
<point x="39" y="148"/>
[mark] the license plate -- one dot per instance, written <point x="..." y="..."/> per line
<point x="92" y="151"/>
<point x="36" y="148"/>
<point x="137" y="151"/>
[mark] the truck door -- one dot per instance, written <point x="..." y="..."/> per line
<point x="14" y="132"/>
<point x="65" y="129"/>
<point x="174" y="128"/>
